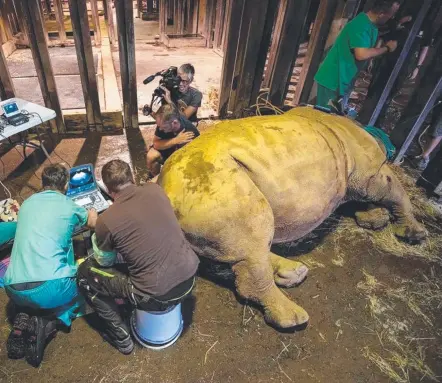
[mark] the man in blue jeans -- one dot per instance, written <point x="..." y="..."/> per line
<point x="40" y="279"/>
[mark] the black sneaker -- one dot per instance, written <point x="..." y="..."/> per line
<point x="17" y="337"/>
<point x="125" y="346"/>
<point x="40" y="333"/>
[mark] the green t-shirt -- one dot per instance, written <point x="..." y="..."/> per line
<point x="43" y="248"/>
<point x="340" y="67"/>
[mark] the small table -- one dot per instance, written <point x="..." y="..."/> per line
<point x="10" y="130"/>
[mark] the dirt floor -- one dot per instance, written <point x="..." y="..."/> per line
<point x="374" y="305"/>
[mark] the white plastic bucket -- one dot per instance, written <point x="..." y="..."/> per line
<point x="157" y="329"/>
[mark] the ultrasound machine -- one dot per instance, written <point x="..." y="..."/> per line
<point x="84" y="190"/>
<point x="13" y="115"/>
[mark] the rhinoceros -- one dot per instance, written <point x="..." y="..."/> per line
<point x="247" y="184"/>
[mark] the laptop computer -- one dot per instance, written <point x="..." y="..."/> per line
<point x="83" y="188"/>
<point x="13" y="114"/>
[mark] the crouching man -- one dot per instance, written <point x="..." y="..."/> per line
<point x="40" y="279"/>
<point x="159" y="264"/>
<point x="173" y="132"/>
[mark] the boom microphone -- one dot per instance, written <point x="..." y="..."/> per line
<point x="149" y="79"/>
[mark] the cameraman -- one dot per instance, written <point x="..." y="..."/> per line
<point x="173" y="132"/>
<point x="189" y="99"/>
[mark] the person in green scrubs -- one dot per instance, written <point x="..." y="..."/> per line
<point x="41" y="276"/>
<point x="354" y="46"/>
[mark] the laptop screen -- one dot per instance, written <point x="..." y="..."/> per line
<point x="10" y="109"/>
<point x="81" y="180"/>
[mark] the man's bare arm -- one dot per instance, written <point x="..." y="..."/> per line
<point x="161" y="144"/>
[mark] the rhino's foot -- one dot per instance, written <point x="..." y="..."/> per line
<point x="374" y="219"/>
<point x="287" y="273"/>
<point x="412" y="232"/>
<point x="284" y="313"/>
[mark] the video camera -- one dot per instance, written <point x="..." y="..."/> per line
<point x="170" y="80"/>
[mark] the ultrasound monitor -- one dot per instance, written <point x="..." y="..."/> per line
<point x="10" y="109"/>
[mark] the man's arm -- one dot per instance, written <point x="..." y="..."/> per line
<point x="181" y="138"/>
<point x="362" y="54"/>
<point x="102" y="244"/>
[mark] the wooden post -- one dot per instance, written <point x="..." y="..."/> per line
<point x="110" y="21"/>
<point x="96" y="20"/>
<point x="6" y="85"/>
<point x="234" y="26"/>
<point x="5" y="21"/>
<point x="178" y="18"/>
<point x="247" y="56"/>
<point x="59" y="15"/>
<point x="208" y="25"/>
<point x="139" y="6"/>
<point x="83" y="46"/>
<point x="163" y="20"/>
<point x="105" y="9"/>
<point x="34" y="23"/>
<point x="315" y="51"/>
<point x="126" y="44"/>
<point x="435" y="94"/>
<point x="376" y="99"/>
<point x="219" y="23"/>
<point x="287" y="38"/>
<point x="226" y="25"/>
<point x="21" y="24"/>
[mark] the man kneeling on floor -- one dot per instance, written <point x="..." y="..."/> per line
<point x="40" y="279"/>
<point x="173" y="132"/>
<point x="160" y="265"/>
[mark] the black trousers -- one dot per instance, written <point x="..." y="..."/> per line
<point x="101" y="286"/>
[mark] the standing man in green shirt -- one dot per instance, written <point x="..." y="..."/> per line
<point x="354" y="46"/>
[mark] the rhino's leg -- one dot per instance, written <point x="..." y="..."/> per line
<point x="254" y="281"/>
<point x="385" y="189"/>
<point x="287" y="273"/>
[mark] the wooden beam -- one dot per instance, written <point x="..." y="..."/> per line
<point x="163" y="17"/>
<point x="21" y="24"/>
<point x="272" y="12"/>
<point x="96" y="20"/>
<point x="226" y="25"/>
<point x="110" y="22"/>
<point x="287" y="38"/>
<point x="139" y="8"/>
<point x="6" y="85"/>
<point x="178" y="17"/>
<point x="234" y="26"/>
<point x="83" y="46"/>
<point x="435" y="94"/>
<point x="208" y="25"/>
<point x="5" y="21"/>
<point x="315" y="50"/>
<point x="126" y="45"/>
<point x="247" y="56"/>
<point x="59" y="15"/>
<point x="219" y="23"/>
<point x="378" y="96"/>
<point x="34" y="23"/>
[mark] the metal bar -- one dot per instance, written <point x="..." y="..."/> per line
<point x="421" y="119"/>
<point x="400" y="62"/>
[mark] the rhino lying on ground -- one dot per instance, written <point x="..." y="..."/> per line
<point x="249" y="183"/>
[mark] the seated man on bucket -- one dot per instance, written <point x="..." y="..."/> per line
<point x="40" y="279"/>
<point x="173" y="132"/>
<point x="160" y="265"/>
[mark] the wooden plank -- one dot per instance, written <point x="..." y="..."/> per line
<point x="126" y="44"/>
<point x="315" y="51"/>
<point x="5" y="19"/>
<point x="435" y="94"/>
<point x="375" y="102"/>
<point x="234" y="27"/>
<point x="163" y="20"/>
<point x="34" y="24"/>
<point x="21" y="22"/>
<point x="287" y="38"/>
<point x="110" y="22"/>
<point x="6" y="85"/>
<point x="208" y="23"/>
<point x="178" y="17"/>
<point x="219" y="23"/>
<point x="85" y="56"/>
<point x="196" y="12"/>
<point x="96" y="20"/>
<point x="226" y="25"/>
<point x="248" y="51"/>
<point x="139" y="8"/>
<point x="272" y="11"/>
<point x="59" y="15"/>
